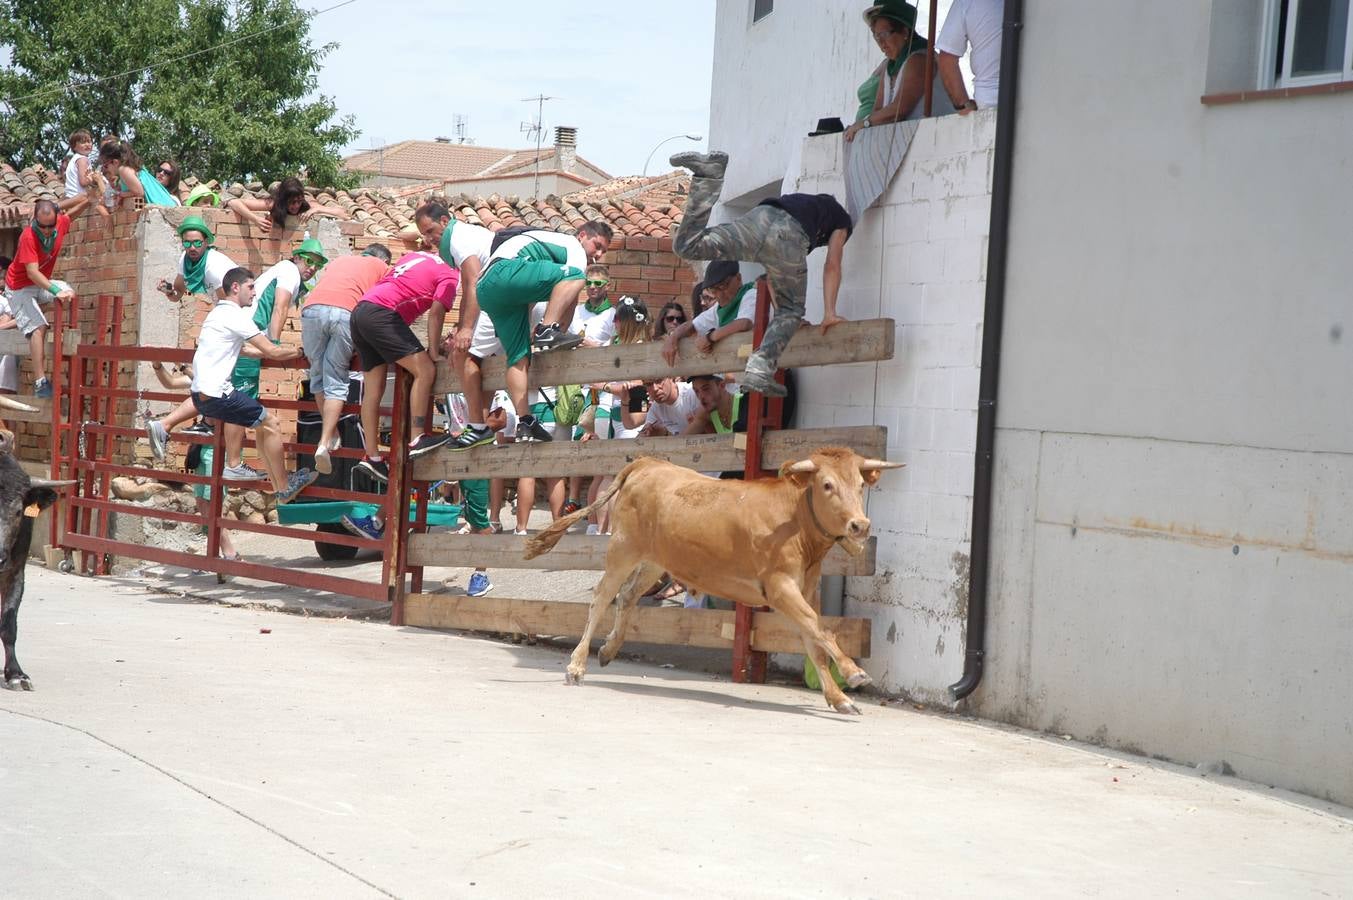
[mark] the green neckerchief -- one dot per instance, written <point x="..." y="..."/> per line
<point x="597" y="310"/>
<point x="263" y="307"/>
<point x="444" y="249"/>
<point x="729" y="313"/>
<point x="46" y="243"/>
<point x="719" y="426"/>
<point x="195" y="273"/>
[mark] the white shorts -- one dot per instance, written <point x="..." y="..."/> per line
<point x="485" y="342"/>
<point x="9" y="373"/>
<point x="23" y="305"/>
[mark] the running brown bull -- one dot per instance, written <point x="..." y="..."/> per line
<point x="21" y="499"/>
<point x="756" y="542"/>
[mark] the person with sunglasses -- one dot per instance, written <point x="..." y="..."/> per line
<point x="671" y="317"/>
<point x="28" y="279"/>
<point x="167" y="174"/>
<point x="594" y="318"/>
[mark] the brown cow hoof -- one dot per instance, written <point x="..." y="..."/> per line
<point x="848" y="708"/>
<point x="858" y="680"/>
<point x="605" y="658"/>
<point x="570" y="678"/>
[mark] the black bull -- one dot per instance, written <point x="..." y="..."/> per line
<point x="21" y="499"/>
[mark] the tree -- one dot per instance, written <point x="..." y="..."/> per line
<point x="223" y="87"/>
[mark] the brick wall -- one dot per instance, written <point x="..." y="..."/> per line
<point x="647" y="268"/>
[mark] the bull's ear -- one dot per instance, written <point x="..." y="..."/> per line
<point x="872" y="469"/>
<point x="799" y="472"/>
<point x="39" y="498"/>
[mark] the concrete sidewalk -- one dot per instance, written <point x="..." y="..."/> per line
<point x="179" y="749"/>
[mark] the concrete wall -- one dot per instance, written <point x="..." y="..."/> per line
<point x="1173" y="569"/>
<point x="918" y="257"/>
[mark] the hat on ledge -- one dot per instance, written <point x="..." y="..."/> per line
<point x="831" y="125"/>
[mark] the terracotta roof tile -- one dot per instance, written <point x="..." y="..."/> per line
<point x="634" y="206"/>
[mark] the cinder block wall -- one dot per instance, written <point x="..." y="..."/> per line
<point x="919" y="257"/>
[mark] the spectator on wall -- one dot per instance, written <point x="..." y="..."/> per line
<point x="901" y="76"/>
<point x="129" y="177"/>
<point x="976" y="24"/>
<point x="168" y="175"/>
<point x="80" y="176"/>
<point x="287" y="198"/>
<point x="731" y="310"/>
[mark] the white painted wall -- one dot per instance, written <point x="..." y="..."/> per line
<point x="918" y="257"/>
<point x="1173" y="568"/>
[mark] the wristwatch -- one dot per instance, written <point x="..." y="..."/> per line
<point x="865" y="123"/>
<point x="709" y="335"/>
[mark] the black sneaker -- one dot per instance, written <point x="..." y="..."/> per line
<point x="425" y="443"/>
<point x="552" y="337"/>
<point x="378" y="469"/>
<point x="528" y="430"/>
<point x="470" y="437"/>
<point x="201" y="426"/>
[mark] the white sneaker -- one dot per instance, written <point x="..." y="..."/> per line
<point x="323" y="464"/>
<point x="593" y="529"/>
<point x="523" y="531"/>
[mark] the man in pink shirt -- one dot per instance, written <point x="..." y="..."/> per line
<point x="381" y="335"/>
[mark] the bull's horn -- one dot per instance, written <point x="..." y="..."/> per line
<point x="47" y="483"/>
<point x="871" y="464"/>
<point x="803" y="466"/>
<point x="8" y="402"/>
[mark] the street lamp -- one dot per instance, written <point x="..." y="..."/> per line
<point x="689" y="137"/>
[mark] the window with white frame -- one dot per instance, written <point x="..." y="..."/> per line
<point x="761" y="9"/>
<point x="1308" y="42"/>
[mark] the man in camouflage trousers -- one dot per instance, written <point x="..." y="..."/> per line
<point x="779" y="234"/>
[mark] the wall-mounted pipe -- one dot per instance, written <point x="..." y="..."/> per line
<point x="993" y="318"/>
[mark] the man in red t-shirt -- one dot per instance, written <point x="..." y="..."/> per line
<point x="28" y="280"/>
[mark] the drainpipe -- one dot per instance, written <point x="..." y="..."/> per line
<point x="993" y="316"/>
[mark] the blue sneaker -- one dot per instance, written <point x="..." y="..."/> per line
<point x="364" y="527"/>
<point x="42" y="389"/>
<point x="479" y="584"/>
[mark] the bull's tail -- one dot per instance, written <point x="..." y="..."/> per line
<point x="547" y="539"/>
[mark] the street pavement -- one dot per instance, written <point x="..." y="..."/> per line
<point x="176" y="748"/>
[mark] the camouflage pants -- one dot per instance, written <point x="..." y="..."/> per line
<point x="767" y="235"/>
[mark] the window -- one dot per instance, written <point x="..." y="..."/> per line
<point x="1308" y="42"/>
<point x="761" y="9"/>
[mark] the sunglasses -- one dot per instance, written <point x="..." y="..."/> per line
<point x="167" y="173"/>
<point x="602" y="283"/>
<point x="193" y="245"/>
<point x="677" y="319"/>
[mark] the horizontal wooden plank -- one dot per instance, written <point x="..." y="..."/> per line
<point x="14" y="344"/>
<point x="43" y="414"/>
<point x="712" y="628"/>
<point x="869" y="340"/>
<point x="702" y="452"/>
<point x="575" y="552"/>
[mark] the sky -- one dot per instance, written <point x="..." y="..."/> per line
<point x="626" y="74"/>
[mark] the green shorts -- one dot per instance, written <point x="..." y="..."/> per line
<point x="246" y="382"/>
<point x="203" y="491"/>
<point x="509" y="289"/>
<point x="476" y="494"/>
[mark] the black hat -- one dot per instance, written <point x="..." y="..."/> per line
<point x="832" y="125"/>
<point x="719" y="271"/>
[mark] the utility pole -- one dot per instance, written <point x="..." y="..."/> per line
<point x="538" y="127"/>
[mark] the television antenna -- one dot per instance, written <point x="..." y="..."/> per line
<point x="536" y="129"/>
<point x="462" y="128"/>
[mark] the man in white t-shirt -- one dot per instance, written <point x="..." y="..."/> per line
<point x="227" y="331"/>
<point x="731" y="310"/>
<point x="202" y="267"/>
<point x="594" y="318"/>
<point x="671" y="405"/>
<point x="976" y="24"/>
<point x="467" y="248"/>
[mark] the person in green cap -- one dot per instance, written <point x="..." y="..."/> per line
<point x="893" y="92"/>
<point x="201" y="266"/>
<point x="275" y="292"/>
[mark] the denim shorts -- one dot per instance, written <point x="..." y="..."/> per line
<point x="235" y="408"/>
<point x="326" y="337"/>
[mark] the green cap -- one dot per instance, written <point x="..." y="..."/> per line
<point x="313" y="249"/>
<point x="199" y="192"/>
<point x="196" y="223"/>
<point x="897" y="10"/>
